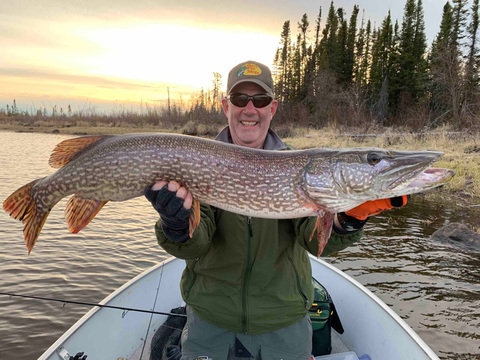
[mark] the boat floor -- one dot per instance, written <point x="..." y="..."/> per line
<point x="143" y="353"/>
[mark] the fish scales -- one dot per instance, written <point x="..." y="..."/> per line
<point x="250" y="182"/>
<point x="253" y="182"/>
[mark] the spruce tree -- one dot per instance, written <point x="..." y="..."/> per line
<point x="296" y="63"/>
<point x="349" y="54"/>
<point x="419" y="53"/>
<point x="282" y="69"/>
<point x="304" y="56"/>
<point x="472" y="84"/>
<point x="339" y="65"/>
<point x="381" y="52"/>
<point x="459" y="23"/>
<point x="364" y="60"/>
<point x="408" y="81"/>
<point x="380" y="68"/>
<point x="446" y="84"/>
<point x="329" y="51"/>
<point x="311" y="70"/>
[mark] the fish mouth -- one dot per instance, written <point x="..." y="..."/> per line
<point x="411" y="171"/>
<point x="431" y="178"/>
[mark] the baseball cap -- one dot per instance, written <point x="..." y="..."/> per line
<point x="250" y="71"/>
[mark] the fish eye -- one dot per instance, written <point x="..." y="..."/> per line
<point x="374" y="158"/>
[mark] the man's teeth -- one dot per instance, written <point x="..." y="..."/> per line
<point x="249" y="123"/>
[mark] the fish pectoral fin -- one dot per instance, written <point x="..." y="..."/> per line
<point x="80" y="211"/>
<point x="67" y="149"/>
<point x="323" y="227"/>
<point x="194" y="218"/>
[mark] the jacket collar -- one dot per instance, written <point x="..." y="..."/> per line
<point x="272" y="141"/>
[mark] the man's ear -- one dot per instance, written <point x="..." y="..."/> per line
<point x="225" y="105"/>
<point x="273" y="108"/>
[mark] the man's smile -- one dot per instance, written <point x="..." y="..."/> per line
<point x="249" y="123"/>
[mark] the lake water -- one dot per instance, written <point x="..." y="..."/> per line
<point x="434" y="287"/>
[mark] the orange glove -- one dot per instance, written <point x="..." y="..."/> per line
<point x="369" y="208"/>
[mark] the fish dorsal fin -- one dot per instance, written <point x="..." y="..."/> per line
<point x="67" y="149"/>
<point x="80" y="211"/>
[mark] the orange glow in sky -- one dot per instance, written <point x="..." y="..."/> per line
<point x="106" y="53"/>
<point x="131" y="63"/>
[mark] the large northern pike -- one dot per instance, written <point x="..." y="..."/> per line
<point x="260" y="183"/>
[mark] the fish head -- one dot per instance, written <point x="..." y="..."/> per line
<point x="346" y="178"/>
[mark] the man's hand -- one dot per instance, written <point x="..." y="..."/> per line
<point x="353" y="220"/>
<point x="369" y="208"/>
<point x="179" y="191"/>
<point x="174" y="204"/>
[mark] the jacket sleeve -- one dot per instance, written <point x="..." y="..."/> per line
<point x="196" y="246"/>
<point x="336" y="242"/>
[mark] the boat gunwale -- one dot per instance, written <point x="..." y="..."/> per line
<point x="53" y="349"/>
<point x="80" y="322"/>
<point x="403" y="324"/>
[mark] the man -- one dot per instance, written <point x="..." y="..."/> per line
<point x="247" y="284"/>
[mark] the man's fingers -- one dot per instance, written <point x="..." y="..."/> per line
<point x="158" y="185"/>
<point x="173" y="186"/>
<point x="187" y="204"/>
<point x="186" y="196"/>
<point x="181" y="192"/>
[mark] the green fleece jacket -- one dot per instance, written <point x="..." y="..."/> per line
<point x="249" y="275"/>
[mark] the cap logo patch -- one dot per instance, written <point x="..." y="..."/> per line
<point x="249" y="69"/>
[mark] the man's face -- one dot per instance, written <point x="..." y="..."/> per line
<point x="249" y="125"/>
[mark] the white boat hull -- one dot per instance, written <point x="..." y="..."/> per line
<point x="371" y="327"/>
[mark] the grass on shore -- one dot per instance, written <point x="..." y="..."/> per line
<point x="462" y="154"/>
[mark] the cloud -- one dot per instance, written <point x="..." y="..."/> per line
<point x="49" y="76"/>
<point x="131" y="50"/>
<point x="33" y="88"/>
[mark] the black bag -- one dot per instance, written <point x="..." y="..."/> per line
<point x="323" y="317"/>
<point x="167" y="337"/>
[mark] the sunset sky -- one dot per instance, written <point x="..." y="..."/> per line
<point x="110" y="54"/>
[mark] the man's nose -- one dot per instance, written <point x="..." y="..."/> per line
<point x="249" y="108"/>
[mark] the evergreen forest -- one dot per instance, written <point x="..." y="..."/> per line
<point x="339" y="70"/>
<point x="353" y="73"/>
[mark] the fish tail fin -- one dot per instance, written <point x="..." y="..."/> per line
<point x="80" y="211"/>
<point x="21" y="205"/>
<point x="194" y="218"/>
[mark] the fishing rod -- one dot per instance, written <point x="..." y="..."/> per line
<point x="91" y="304"/>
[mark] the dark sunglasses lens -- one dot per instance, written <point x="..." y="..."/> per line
<point x="259" y="101"/>
<point x="239" y="100"/>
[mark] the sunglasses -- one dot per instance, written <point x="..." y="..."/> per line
<point x="259" y="101"/>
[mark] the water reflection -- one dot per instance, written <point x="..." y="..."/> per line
<point x="434" y="287"/>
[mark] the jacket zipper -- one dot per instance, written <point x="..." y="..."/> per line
<point x="246" y="276"/>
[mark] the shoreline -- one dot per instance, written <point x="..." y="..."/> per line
<point x="79" y="130"/>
